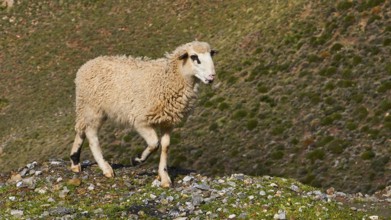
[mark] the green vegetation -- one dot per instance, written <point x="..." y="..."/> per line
<point x="311" y="77"/>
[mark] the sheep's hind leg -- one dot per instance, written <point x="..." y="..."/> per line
<point x="150" y="136"/>
<point x="163" y="173"/>
<point x="75" y="152"/>
<point x="92" y="135"/>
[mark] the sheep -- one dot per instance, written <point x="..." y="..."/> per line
<point x="142" y="93"/>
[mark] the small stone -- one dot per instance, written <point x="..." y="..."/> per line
<point x="181" y="218"/>
<point x="242" y="215"/>
<point x="40" y="190"/>
<point x="59" y="179"/>
<point x="294" y="188"/>
<point x="51" y="200"/>
<point x="152" y="196"/>
<point x="273" y="185"/>
<point x="330" y="191"/>
<point x="262" y="193"/>
<point x="63" y="193"/>
<point x="97" y="211"/>
<point x="251" y="197"/>
<point x="38" y="172"/>
<point x="231" y="216"/>
<point x="29" y="182"/>
<point x="31" y="172"/>
<point x="12" y="198"/>
<point x="24" y="172"/>
<point x="91" y="187"/>
<point x="61" y="211"/>
<point x="156" y="183"/>
<point x="187" y="179"/>
<point x="196" y="200"/>
<point x="374" y="217"/>
<point x="17" y="213"/>
<point x="19" y="184"/>
<point x="239" y="176"/>
<point x="280" y="215"/>
<point x="74" y="182"/>
<point x="202" y="186"/>
<point x="353" y="208"/>
<point x="221" y="181"/>
<point x="15" y="178"/>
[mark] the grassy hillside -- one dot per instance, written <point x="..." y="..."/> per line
<point x="303" y="89"/>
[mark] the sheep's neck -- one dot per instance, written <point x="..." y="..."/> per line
<point x="176" y="97"/>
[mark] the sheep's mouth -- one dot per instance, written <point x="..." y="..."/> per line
<point x="205" y="80"/>
<point x="209" y="81"/>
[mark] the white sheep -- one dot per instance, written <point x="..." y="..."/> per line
<point x="139" y="92"/>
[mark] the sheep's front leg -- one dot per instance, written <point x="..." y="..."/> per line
<point x="92" y="135"/>
<point x="163" y="173"/>
<point x="150" y="136"/>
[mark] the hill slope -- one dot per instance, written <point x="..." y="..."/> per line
<point x="304" y="87"/>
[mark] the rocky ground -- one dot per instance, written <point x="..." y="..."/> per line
<point x="50" y="190"/>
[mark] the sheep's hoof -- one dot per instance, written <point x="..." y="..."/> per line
<point x="166" y="185"/>
<point x="136" y="161"/>
<point x="76" y="168"/>
<point x="108" y="171"/>
<point x="109" y="175"/>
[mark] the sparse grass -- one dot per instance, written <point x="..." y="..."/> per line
<point x="290" y="65"/>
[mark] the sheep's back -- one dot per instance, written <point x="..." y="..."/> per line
<point x="121" y="87"/>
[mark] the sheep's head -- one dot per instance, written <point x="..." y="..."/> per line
<point x="198" y="62"/>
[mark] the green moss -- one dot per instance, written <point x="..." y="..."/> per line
<point x="262" y="88"/>
<point x="344" y="5"/>
<point x="208" y="104"/>
<point x="336" y="47"/>
<point x="329" y="86"/>
<point x="312" y="58"/>
<point x="330" y="118"/>
<point x="387" y="42"/>
<point x="268" y="100"/>
<point x="361" y="113"/>
<point x="239" y="114"/>
<point x="385" y="105"/>
<point x="213" y="127"/>
<point x="356" y="60"/>
<point x="324" y="140"/>
<point x="252" y="124"/>
<point x="379" y="163"/>
<point x="337" y="146"/>
<point x="388" y="68"/>
<point x="351" y="125"/>
<point x="223" y="106"/>
<point x="329" y="71"/>
<point x="384" y="86"/>
<point x="278" y="130"/>
<point x="277" y="155"/>
<point x="317" y="154"/>
<point x="345" y="83"/>
<point x="367" y="155"/>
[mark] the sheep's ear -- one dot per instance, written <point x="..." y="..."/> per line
<point x="183" y="56"/>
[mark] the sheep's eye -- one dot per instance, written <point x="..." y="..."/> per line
<point x="195" y="58"/>
<point x="213" y="52"/>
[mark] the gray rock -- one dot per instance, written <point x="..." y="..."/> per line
<point x="242" y="215"/>
<point x="187" y="179"/>
<point x="238" y="176"/>
<point x="24" y="172"/>
<point x="295" y="188"/>
<point x="196" y="200"/>
<point x="61" y="211"/>
<point x="17" y="213"/>
<point x="202" y="186"/>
